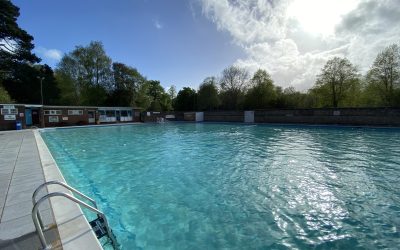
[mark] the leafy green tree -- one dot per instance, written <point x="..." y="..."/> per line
<point x="186" y="100"/>
<point x="15" y="43"/>
<point x="294" y="99"/>
<point x="4" y="96"/>
<point x="207" y="96"/>
<point x="24" y="86"/>
<point x="172" y="95"/>
<point x="160" y="101"/>
<point x="69" y="94"/>
<point x="143" y="100"/>
<point x="86" y="68"/>
<point x="233" y="84"/>
<point x="262" y="94"/>
<point x="336" y="80"/>
<point x="172" y="92"/>
<point x="127" y="82"/>
<point x="384" y="75"/>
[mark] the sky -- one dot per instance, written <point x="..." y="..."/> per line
<point x="181" y="42"/>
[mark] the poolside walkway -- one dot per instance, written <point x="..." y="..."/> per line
<point x="20" y="173"/>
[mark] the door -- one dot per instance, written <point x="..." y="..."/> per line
<point x="28" y="117"/>
<point x="118" y="115"/>
<point x="91" y="116"/>
<point x="35" y="117"/>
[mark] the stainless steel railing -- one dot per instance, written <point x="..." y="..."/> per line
<point x="61" y="184"/>
<point x="39" y="223"/>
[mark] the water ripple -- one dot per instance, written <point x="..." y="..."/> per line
<point x="213" y="186"/>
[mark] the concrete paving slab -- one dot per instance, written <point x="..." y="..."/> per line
<point x="22" y="225"/>
<point x="28" y="176"/>
<point x="4" y="177"/>
<point x="27" y="179"/>
<point x="15" y="198"/>
<point x="20" y="174"/>
<point x="20" y="209"/>
<point x="28" y="186"/>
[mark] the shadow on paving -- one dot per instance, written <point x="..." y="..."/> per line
<point x="31" y="241"/>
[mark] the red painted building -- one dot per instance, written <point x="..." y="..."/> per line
<point x="56" y="116"/>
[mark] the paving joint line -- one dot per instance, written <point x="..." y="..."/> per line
<point x="12" y="174"/>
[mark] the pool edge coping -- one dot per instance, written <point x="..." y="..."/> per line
<point x="73" y="227"/>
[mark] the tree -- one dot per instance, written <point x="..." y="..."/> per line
<point x="86" y="68"/>
<point x="15" y="43"/>
<point x="24" y="85"/>
<point x="207" y="96"/>
<point x="336" y="79"/>
<point x="127" y="82"/>
<point x="186" y="100"/>
<point x="262" y="94"/>
<point x="384" y="74"/>
<point x="4" y="96"/>
<point x="160" y="101"/>
<point x="143" y="100"/>
<point x="233" y="83"/>
<point x="172" y="95"/>
<point x="172" y="92"/>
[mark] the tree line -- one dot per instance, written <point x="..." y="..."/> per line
<point x="88" y="76"/>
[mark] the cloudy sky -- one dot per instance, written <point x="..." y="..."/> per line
<point x="181" y="42"/>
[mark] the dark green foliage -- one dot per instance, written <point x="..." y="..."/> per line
<point x="4" y="96"/>
<point x="16" y="43"/>
<point x="127" y="83"/>
<point x="160" y="101"/>
<point x="186" y="100"/>
<point x="262" y="94"/>
<point x="24" y="86"/>
<point x="207" y="96"/>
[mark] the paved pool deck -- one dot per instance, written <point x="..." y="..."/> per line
<point x="20" y="173"/>
<point x="25" y="163"/>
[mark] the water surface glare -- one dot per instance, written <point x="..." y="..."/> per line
<point x="232" y="186"/>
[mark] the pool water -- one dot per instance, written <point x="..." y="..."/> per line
<point x="233" y="186"/>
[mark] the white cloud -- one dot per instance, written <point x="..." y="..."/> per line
<point x="157" y="24"/>
<point x="292" y="39"/>
<point x="53" y="55"/>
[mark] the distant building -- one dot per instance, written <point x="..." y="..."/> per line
<point x="29" y="115"/>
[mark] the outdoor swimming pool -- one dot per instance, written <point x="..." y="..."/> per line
<point x="232" y="186"/>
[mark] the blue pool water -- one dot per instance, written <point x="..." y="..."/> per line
<point x="227" y="186"/>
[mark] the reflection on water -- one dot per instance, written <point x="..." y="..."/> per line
<point x="213" y="186"/>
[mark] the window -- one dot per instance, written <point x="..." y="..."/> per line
<point x="53" y="118"/>
<point x="7" y="111"/>
<point x="75" y="112"/>
<point x="110" y="113"/>
<point x="52" y="112"/>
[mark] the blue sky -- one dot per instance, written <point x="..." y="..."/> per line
<point x="180" y="42"/>
<point x="171" y="41"/>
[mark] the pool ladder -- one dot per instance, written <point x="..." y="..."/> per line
<point x="99" y="225"/>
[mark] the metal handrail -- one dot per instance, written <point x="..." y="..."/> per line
<point x="72" y="198"/>
<point x="61" y="184"/>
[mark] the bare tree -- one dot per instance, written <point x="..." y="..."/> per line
<point x="233" y="83"/>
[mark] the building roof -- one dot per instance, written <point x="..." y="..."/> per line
<point x="72" y="107"/>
